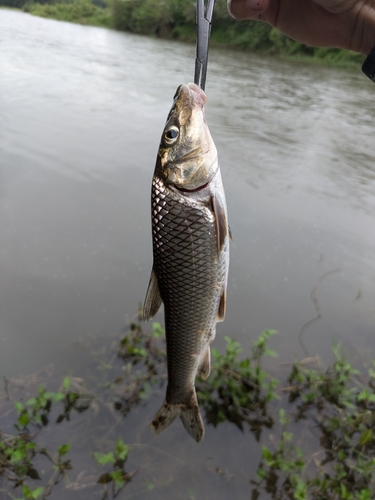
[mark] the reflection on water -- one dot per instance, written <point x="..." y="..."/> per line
<point x="82" y="110"/>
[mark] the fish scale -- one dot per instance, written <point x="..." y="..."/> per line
<point x="187" y="282"/>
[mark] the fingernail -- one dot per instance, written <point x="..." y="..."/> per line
<point x="254" y="4"/>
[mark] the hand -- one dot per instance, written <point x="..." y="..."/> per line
<point x="347" y="24"/>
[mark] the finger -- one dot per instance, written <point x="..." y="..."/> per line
<point x="247" y="9"/>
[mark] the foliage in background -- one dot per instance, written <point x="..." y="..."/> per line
<point x="176" y="19"/>
<point x="77" y="11"/>
<point x="325" y="449"/>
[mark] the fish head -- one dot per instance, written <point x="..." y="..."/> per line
<point x="187" y="154"/>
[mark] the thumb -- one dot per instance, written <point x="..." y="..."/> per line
<point x="247" y="9"/>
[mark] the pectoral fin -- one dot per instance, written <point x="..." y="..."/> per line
<point x="153" y="299"/>
<point x="221" y="223"/>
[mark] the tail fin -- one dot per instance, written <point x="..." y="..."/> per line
<point x="189" y="414"/>
<point x="192" y="420"/>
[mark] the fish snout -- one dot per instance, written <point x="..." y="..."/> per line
<point x="197" y="94"/>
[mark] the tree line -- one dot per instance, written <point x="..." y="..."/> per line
<point x="175" y="19"/>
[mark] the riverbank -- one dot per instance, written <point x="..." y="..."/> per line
<point x="81" y="12"/>
<point x="174" y="19"/>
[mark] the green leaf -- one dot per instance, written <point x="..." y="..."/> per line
<point x="103" y="458"/>
<point x="19" y="406"/>
<point x="157" y="330"/>
<point x="18" y="455"/>
<point x="66" y="383"/>
<point x="268" y="333"/>
<point x="122" y="449"/>
<point x="24" y="419"/>
<point x="261" y="473"/>
<point x="271" y="353"/>
<point x="37" y="492"/>
<point x="366" y="437"/>
<point x="149" y="485"/>
<point x="26" y="491"/>
<point x="58" y="396"/>
<point x="266" y="454"/>
<point x="63" y="450"/>
<point x="118" y="477"/>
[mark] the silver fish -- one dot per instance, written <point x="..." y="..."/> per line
<point x="191" y="254"/>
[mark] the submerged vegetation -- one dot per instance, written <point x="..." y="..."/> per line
<point x="315" y="428"/>
<point x="175" y="19"/>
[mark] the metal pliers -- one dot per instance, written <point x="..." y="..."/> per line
<point x="204" y="20"/>
<point x="369" y="65"/>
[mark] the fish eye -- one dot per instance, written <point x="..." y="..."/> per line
<point x="171" y="135"/>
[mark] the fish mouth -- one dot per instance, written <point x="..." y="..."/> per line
<point x="195" y="190"/>
<point x="198" y="94"/>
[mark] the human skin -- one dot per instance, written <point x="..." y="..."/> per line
<point x="346" y="24"/>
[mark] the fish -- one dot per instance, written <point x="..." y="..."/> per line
<point x="190" y="235"/>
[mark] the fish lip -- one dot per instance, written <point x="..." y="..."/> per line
<point x="195" y="190"/>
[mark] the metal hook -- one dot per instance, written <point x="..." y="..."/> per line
<point x="204" y="20"/>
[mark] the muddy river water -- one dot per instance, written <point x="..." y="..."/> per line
<point x="81" y="112"/>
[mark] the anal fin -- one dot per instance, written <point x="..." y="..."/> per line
<point x="204" y="367"/>
<point x="222" y="305"/>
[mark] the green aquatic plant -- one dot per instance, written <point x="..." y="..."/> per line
<point x="281" y="470"/>
<point x="237" y="390"/>
<point x="144" y="360"/>
<point x="18" y="454"/>
<point x="341" y="406"/>
<point x="117" y="477"/>
<point x="36" y="409"/>
<point x="16" y="457"/>
<point x="321" y="446"/>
